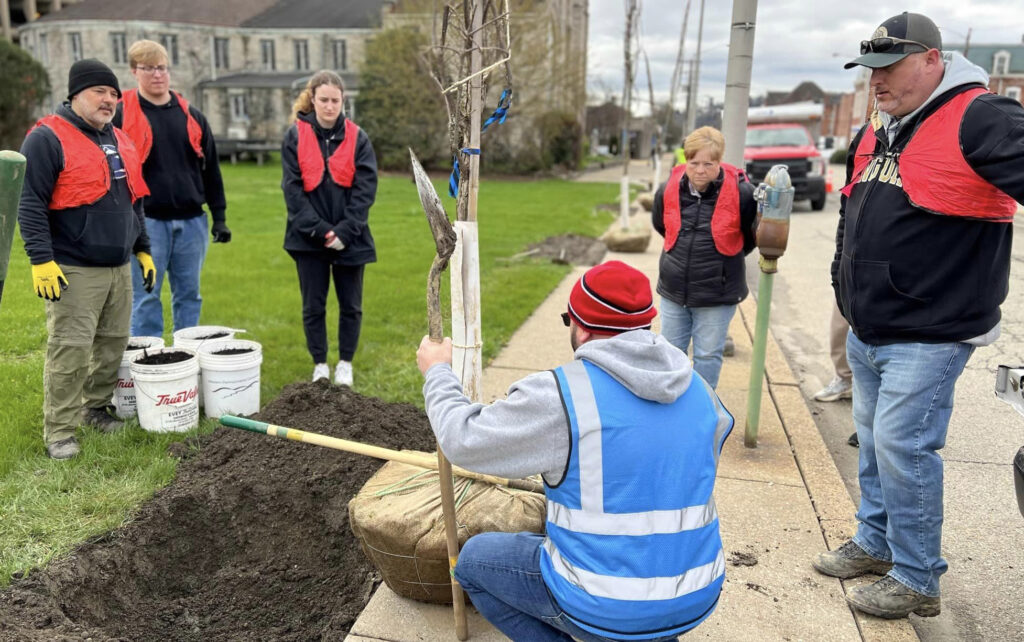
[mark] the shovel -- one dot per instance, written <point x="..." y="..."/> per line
<point x="444" y="239"/>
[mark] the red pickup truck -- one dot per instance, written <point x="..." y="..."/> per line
<point x="787" y="144"/>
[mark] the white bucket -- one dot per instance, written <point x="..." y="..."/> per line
<point x="231" y="382"/>
<point x="195" y="336"/>
<point x="124" y="389"/>
<point x="167" y="395"/>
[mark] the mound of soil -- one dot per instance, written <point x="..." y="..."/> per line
<point x="250" y="542"/>
<point x="164" y="358"/>
<point x="569" y="249"/>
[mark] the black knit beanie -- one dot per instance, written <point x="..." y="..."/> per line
<point x="90" y="73"/>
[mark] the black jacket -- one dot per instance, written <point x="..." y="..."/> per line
<point x="179" y="181"/>
<point x="330" y="207"/>
<point x="103" y="234"/>
<point x="902" y="274"/>
<point x="693" y="273"/>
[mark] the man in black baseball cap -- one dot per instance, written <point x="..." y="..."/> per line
<point x="897" y="38"/>
<point x="921" y="267"/>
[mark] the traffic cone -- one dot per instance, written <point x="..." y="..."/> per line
<point x="828" y="182"/>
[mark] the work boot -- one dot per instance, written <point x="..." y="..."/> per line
<point x="103" y="419"/>
<point x="890" y="598"/>
<point x="849" y="560"/>
<point x="63" y="449"/>
<point x="729" y="349"/>
<point x="343" y="374"/>
<point x="321" y="371"/>
<point x="837" y="389"/>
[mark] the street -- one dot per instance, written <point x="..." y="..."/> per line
<point x="983" y="534"/>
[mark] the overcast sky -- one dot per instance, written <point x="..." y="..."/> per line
<point x="795" y="40"/>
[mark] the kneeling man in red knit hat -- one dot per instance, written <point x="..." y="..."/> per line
<point x="627" y="438"/>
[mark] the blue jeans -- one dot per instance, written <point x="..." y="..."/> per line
<point x="902" y="401"/>
<point x="178" y="250"/>
<point x="707" y="327"/>
<point x="501" y="574"/>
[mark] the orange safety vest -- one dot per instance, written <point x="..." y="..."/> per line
<point x="342" y="163"/>
<point x="936" y="177"/>
<point x="725" y="220"/>
<point x="134" y="121"/>
<point x="85" y="177"/>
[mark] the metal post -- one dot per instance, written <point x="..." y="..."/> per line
<point x="764" y="303"/>
<point x="12" y="176"/>
<point x="737" y="80"/>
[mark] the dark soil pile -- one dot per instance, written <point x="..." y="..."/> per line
<point x="569" y="249"/>
<point x="250" y="542"/>
<point x="163" y="358"/>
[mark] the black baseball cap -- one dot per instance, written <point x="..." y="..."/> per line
<point x="885" y="47"/>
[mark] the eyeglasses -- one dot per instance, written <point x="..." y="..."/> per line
<point x="565" y="319"/>
<point x="885" y="45"/>
<point x="149" y="69"/>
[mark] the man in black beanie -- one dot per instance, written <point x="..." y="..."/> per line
<point x="81" y="218"/>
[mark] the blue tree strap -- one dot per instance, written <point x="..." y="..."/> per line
<point x="501" y="112"/>
<point x="453" y="180"/>
<point x="499" y="115"/>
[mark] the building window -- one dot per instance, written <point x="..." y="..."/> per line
<point x="302" y="55"/>
<point x="220" y="53"/>
<point x="75" y="43"/>
<point x="267" y="55"/>
<point x="238" y="107"/>
<point x="170" y="43"/>
<point x="340" y="55"/>
<point x="1001" y="66"/>
<point x="1013" y="92"/>
<point x="118" y="48"/>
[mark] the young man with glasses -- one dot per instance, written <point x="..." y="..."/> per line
<point x="921" y="267"/>
<point x="632" y="547"/>
<point x="181" y="168"/>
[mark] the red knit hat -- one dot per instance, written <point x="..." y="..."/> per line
<point x="612" y="298"/>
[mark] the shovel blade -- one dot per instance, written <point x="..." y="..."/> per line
<point x="440" y="226"/>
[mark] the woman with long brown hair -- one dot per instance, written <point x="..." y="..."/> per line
<point x="329" y="182"/>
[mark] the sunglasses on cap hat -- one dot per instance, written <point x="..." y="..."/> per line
<point x="887" y="44"/>
<point x="566" y="319"/>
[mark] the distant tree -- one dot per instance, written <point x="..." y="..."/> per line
<point x="23" y="91"/>
<point x="400" y="106"/>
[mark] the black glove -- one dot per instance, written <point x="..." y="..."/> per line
<point x="220" y="232"/>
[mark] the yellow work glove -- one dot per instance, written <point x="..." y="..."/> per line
<point x="49" y="280"/>
<point x="148" y="270"/>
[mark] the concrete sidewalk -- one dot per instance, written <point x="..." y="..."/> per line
<point x="779" y="503"/>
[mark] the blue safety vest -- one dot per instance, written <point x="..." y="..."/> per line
<point x="633" y="550"/>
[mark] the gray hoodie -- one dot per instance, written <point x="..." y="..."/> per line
<point x="528" y="432"/>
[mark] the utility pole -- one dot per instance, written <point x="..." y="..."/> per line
<point x="967" y="42"/>
<point x="737" y="80"/>
<point x="691" y="99"/>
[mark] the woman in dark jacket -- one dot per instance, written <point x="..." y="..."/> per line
<point x="706" y="212"/>
<point x="329" y="183"/>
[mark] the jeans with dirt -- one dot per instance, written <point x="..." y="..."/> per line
<point x="87" y="333"/>
<point x="902" y="402"/>
<point x="707" y="327"/>
<point x="501" y="574"/>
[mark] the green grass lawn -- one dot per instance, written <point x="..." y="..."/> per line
<point x="47" y="507"/>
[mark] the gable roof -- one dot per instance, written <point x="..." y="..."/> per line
<point x="340" y="14"/>
<point x="215" y="12"/>
<point x="984" y="55"/>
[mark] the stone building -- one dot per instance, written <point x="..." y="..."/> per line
<point x="242" y="62"/>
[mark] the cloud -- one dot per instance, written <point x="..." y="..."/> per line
<point x="795" y="40"/>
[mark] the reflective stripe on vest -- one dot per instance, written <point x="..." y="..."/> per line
<point x="725" y="220"/>
<point x="85" y="177"/>
<point x="621" y="559"/>
<point x="934" y="177"/>
<point x="342" y="163"/>
<point x="137" y="126"/>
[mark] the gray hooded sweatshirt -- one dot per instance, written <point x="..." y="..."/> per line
<point x="528" y="432"/>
